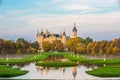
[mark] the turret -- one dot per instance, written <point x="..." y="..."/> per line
<point x="74" y="31"/>
<point x="41" y="39"/>
<point x="64" y="38"/>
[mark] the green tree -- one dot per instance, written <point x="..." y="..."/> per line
<point x="35" y="45"/>
<point x="88" y="40"/>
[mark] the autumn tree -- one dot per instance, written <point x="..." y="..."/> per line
<point x="101" y="51"/>
<point x="115" y="50"/>
<point x="46" y="46"/>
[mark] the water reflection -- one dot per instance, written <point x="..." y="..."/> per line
<point x="40" y="72"/>
<point x="74" y="71"/>
<point x="55" y="58"/>
<point x="63" y="71"/>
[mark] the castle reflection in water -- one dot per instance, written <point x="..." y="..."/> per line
<point x="46" y="70"/>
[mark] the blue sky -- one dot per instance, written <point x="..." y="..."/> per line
<point x="98" y="19"/>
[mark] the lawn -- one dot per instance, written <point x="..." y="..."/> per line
<point x="67" y="55"/>
<point x="82" y="58"/>
<point x="56" y="64"/>
<point x="7" y="71"/>
<point x="108" y="71"/>
<point x="30" y="58"/>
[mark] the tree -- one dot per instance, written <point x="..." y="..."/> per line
<point x="19" y="51"/>
<point x="100" y="51"/>
<point x="93" y="52"/>
<point x="115" y="50"/>
<point x="1" y="44"/>
<point x="108" y="51"/>
<point x="35" y="45"/>
<point x="60" y="47"/>
<point x="88" y="40"/>
<point x="81" y="48"/>
<point x="46" y="46"/>
<point x="73" y="42"/>
<point x="3" y="51"/>
<point x="21" y="40"/>
<point x="89" y="47"/>
<point x="72" y="49"/>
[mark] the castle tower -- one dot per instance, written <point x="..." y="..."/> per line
<point x="41" y="39"/>
<point x="74" y="31"/>
<point x="64" y="38"/>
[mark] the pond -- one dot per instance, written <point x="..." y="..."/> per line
<point x="39" y="72"/>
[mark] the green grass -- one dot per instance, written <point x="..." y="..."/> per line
<point x="83" y="59"/>
<point x="108" y="71"/>
<point x="67" y="55"/>
<point x="7" y="71"/>
<point x="56" y="64"/>
<point x="27" y="59"/>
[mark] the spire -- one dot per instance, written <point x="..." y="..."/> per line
<point x="64" y="34"/>
<point x="74" y="24"/>
<point x="41" y="32"/>
<point x="74" y="29"/>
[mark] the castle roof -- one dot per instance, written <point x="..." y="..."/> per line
<point x="64" y="34"/>
<point x="49" y="35"/>
<point x="74" y="29"/>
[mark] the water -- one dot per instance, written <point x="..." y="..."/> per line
<point x="39" y="72"/>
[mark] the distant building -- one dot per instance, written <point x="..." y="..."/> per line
<point x="47" y="36"/>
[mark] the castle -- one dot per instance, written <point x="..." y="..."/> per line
<point x="47" y="36"/>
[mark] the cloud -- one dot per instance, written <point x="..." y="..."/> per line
<point x="102" y="17"/>
<point x="80" y="8"/>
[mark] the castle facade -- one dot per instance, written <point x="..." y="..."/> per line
<point x="47" y="36"/>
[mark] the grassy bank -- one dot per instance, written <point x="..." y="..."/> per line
<point x="57" y="64"/>
<point x="7" y="71"/>
<point x="108" y="71"/>
<point x="67" y="55"/>
<point x="83" y="59"/>
<point x="27" y="59"/>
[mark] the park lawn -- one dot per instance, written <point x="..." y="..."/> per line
<point x="7" y="71"/>
<point x="56" y="64"/>
<point x="27" y="59"/>
<point x="67" y="55"/>
<point x="108" y="71"/>
<point x="83" y="59"/>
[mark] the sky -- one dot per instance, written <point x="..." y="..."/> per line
<point x="98" y="19"/>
